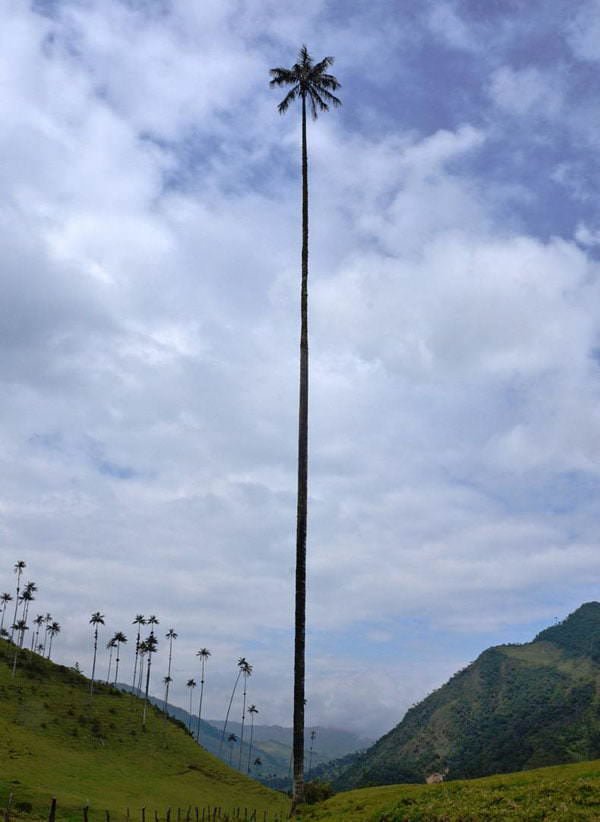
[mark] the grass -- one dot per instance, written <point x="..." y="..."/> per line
<point x="565" y="793"/>
<point x="55" y="740"/>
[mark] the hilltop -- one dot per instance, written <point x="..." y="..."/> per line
<point x="516" y="707"/>
<point x="55" y="740"/>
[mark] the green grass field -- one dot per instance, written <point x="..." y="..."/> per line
<point x="57" y="741"/>
<point x="563" y="793"/>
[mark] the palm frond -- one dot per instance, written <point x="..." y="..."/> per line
<point x="331" y="98"/>
<point x="317" y="102"/>
<point x="289" y="98"/>
<point x="320" y="67"/>
<point x="282" y="77"/>
<point x="328" y="81"/>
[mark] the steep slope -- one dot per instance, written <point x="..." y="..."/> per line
<point x="516" y="707"/>
<point x="57" y="741"/>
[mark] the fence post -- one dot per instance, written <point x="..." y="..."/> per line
<point x="107" y="816"/>
<point x="52" y="814"/>
<point x="85" y="813"/>
<point x="143" y="814"/>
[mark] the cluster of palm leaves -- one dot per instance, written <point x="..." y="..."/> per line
<point x="44" y="624"/>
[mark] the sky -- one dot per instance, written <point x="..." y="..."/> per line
<point x="149" y="322"/>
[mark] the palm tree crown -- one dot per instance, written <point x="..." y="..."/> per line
<point x="309" y="81"/>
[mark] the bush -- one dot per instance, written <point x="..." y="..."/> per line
<point x="317" y="791"/>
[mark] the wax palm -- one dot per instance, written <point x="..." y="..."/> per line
<point x="232" y="739"/>
<point x="314" y="87"/>
<point x="119" y="638"/>
<point x="47" y="620"/>
<point x="38" y="622"/>
<point x="110" y="645"/>
<point x="191" y="684"/>
<point x="5" y="598"/>
<point x="313" y="734"/>
<point x="252" y="710"/>
<point x="152" y="621"/>
<point x="139" y="621"/>
<point x="143" y="652"/>
<point x="96" y="620"/>
<point x="151" y="644"/>
<point x="246" y="672"/>
<point x="19" y="567"/>
<point x="20" y="627"/>
<point x="53" y="630"/>
<point x="203" y="653"/>
<point x="242" y="663"/>
<point x="170" y="635"/>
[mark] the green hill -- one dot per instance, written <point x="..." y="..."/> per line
<point x="568" y="793"/>
<point x="516" y="707"/>
<point x="55" y="740"/>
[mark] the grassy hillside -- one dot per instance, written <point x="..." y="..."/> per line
<point x="567" y="793"/>
<point x="57" y="741"/>
<point x="515" y="707"/>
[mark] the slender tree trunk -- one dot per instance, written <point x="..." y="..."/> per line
<point x="2" y="621"/>
<point x="251" y="741"/>
<point x="140" y="675"/>
<point x="110" y="656"/>
<point x="301" y="516"/>
<point x="50" y="646"/>
<point x="228" y="710"/>
<point x="94" y="663"/>
<point x="148" y="666"/>
<point x="12" y="627"/>
<point x="137" y="652"/>
<point x="191" y="717"/>
<point x="117" y="662"/>
<point x="168" y="676"/>
<point x="243" y="721"/>
<point x="200" y="702"/>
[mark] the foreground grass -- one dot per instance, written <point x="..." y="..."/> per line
<point x="565" y="793"/>
<point x="57" y="741"/>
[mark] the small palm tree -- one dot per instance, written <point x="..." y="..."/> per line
<point x="20" y="627"/>
<point x="96" y="620"/>
<point x="5" y="598"/>
<point x="203" y="653"/>
<point x="314" y="87"/>
<point x="38" y="622"/>
<point x="110" y="645"/>
<point x="241" y="663"/>
<point x="246" y="672"/>
<point x="119" y="638"/>
<point x="151" y="644"/>
<point x="53" y="630"/>
<point x="170" y="635"/>
<point x="19" y="567"/>
<point x="139" y="621"/>
<point x="191" y="684"/>
<point x="232" y="739"/>
<point x="313" y="735"/>
<point x="252" y="710"/>
<point x="47" y="620"/>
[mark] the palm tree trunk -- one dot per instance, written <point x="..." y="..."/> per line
<point x="251" y="741"/>
<point x="94" y="662"/>
<point x="50" y="645"/>
<point x="168" y="676"/>
<point x="301" y="516"/>
<point x="243" y="721"/>
<point x="110" y="656"/>
<point x="200" y="704"/>
<point x="12" y="628"/>
<point x="137" y="652"/>
<point x="228" y="710"/>
<point x="148" y="666"/>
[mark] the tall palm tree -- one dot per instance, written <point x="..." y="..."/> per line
<point x="310" y="83"/>
<point x="170" y="635"/>
<point x="313" y="735"/>
<point x="38" y="621"/>
<point x="26" y="598"/>
<point x="246" y="672"/>
<point x="252" y="710"/>
<point x="152" y="621"/>
<point x="53" y="630"/>
<point x="143" y="653"/>
<point x="96" y="620"/>
<point x="139" y="621"/>
<point x="5" y="598"/>
<point x="151" y="644"/>
<point x="47" y="620"/>
<point x="111" y="645"/>
<point x="242" y="663"/>
<point x="232" y="739"/>
<point x="203" y="653"/>
<point x="19" y="567"/>
<point x="119" y="639"/>
<point x="191" y="684"/>
<point x="20" y="627"/>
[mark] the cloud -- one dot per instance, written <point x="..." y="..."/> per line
<point x="150" y="230"/>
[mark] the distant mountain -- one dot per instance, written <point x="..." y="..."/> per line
<point x="516" y="707"/>
<point x="272" y="744"/>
